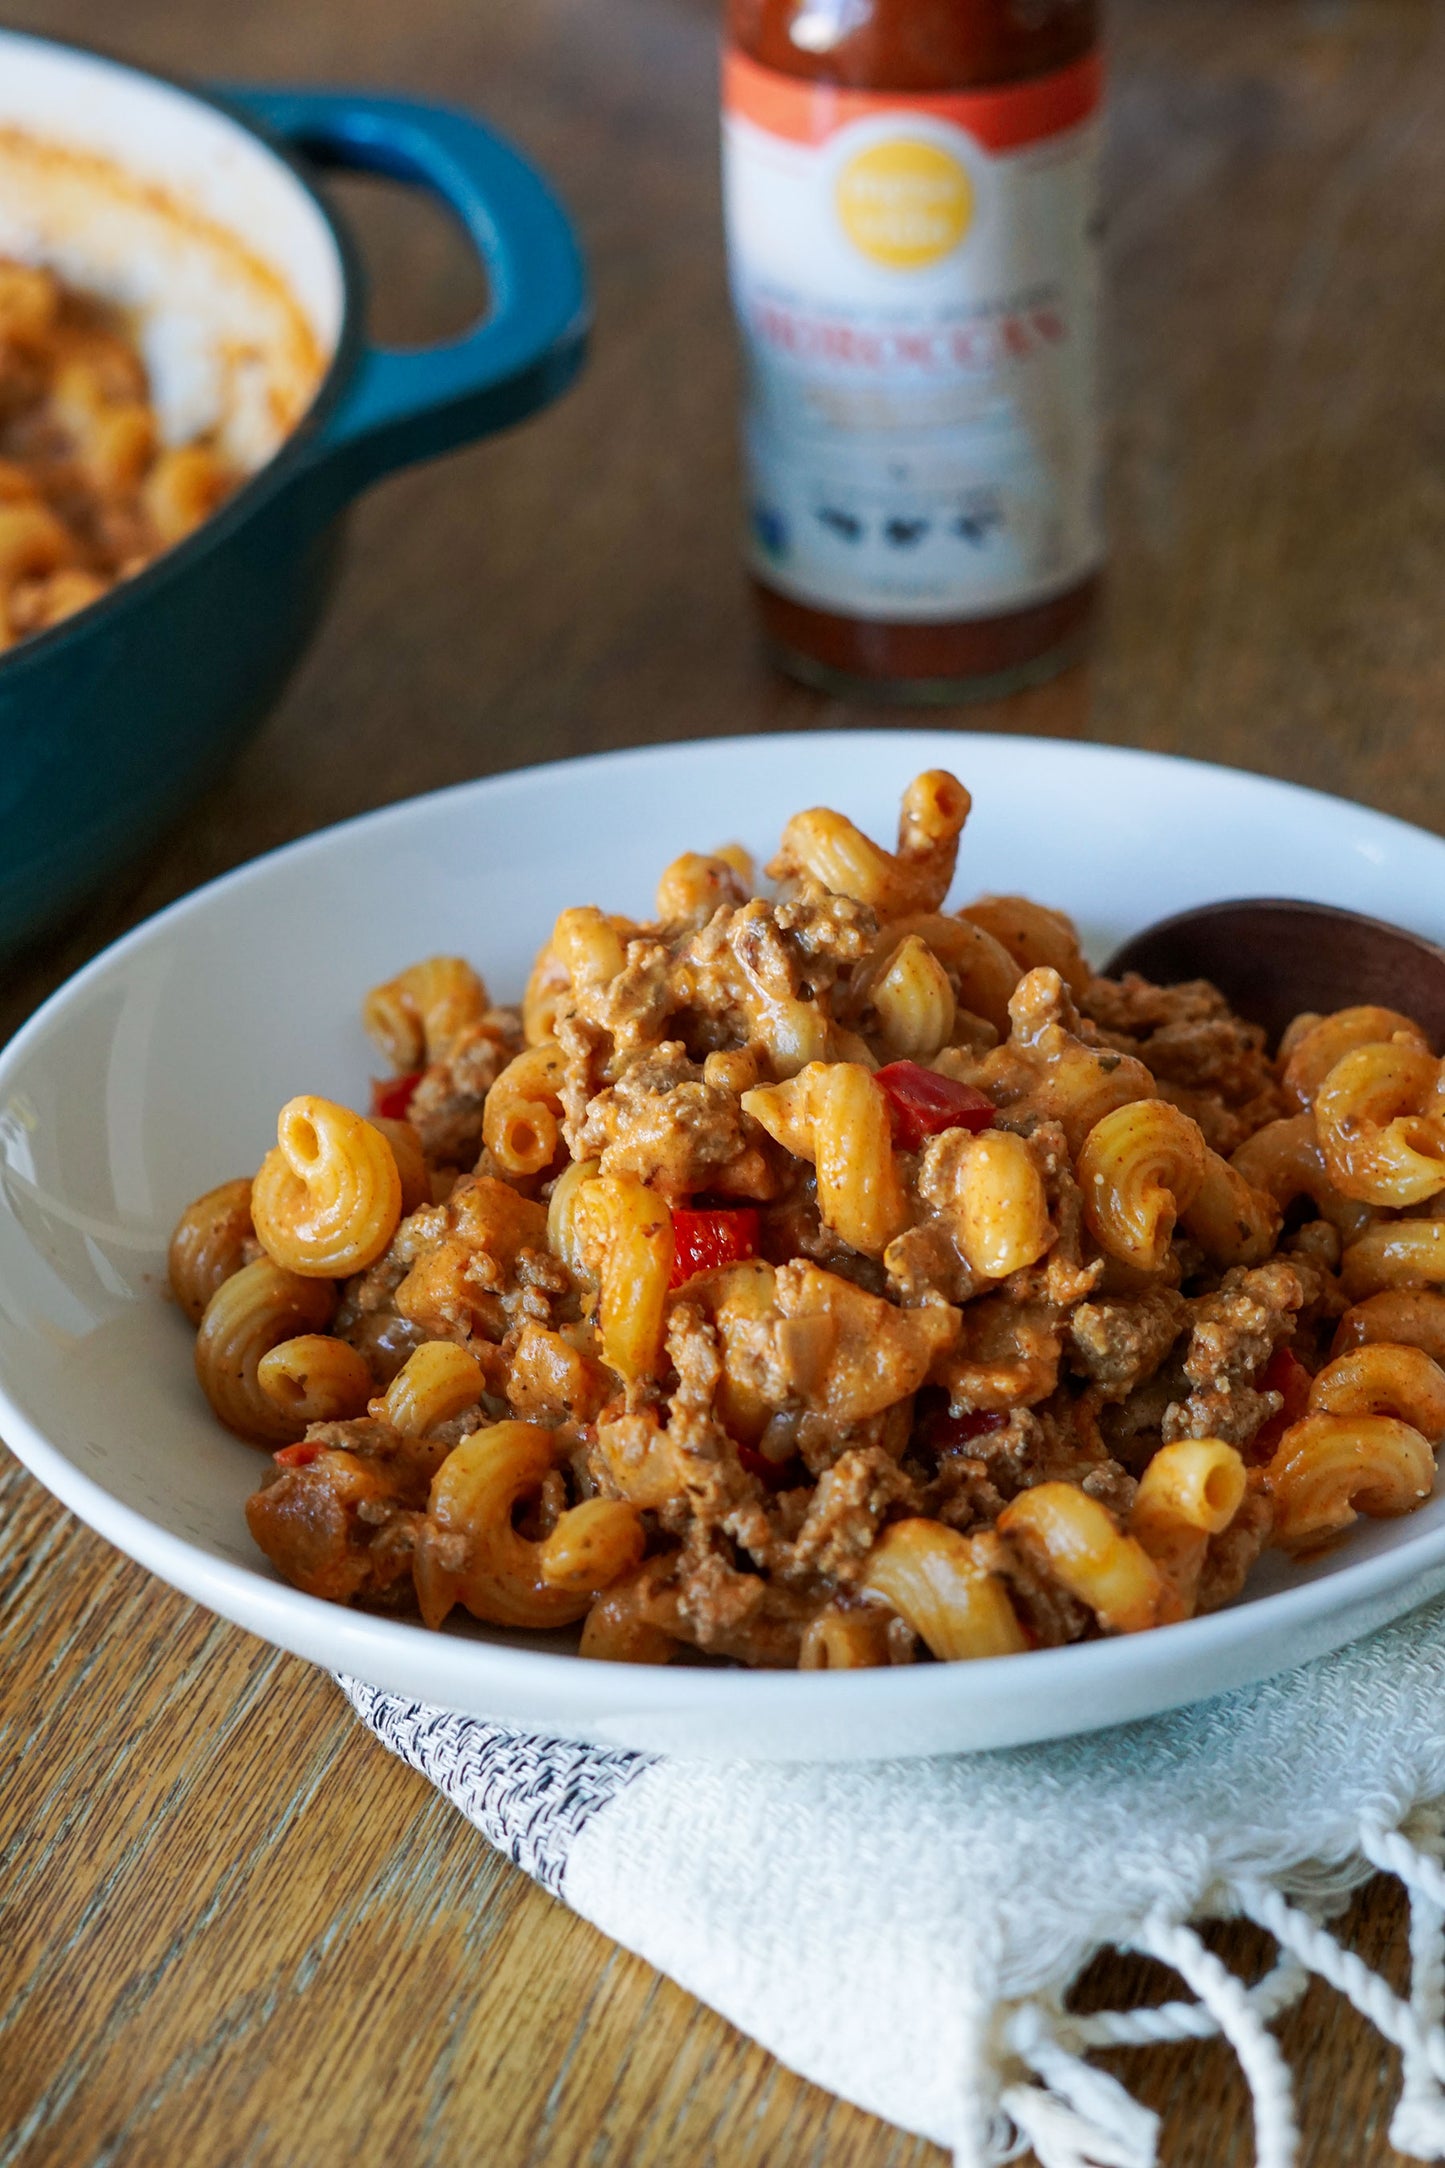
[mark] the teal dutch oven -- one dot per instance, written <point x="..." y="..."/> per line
<point x="194" y="210"/>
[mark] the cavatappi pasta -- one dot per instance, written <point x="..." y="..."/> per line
<point x="88" y="491"/>
<point x="816" y="1277"/>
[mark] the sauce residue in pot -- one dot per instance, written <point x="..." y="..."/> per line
<point x="88" y="493"/>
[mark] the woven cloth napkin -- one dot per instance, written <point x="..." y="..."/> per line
<point x="905" y="1933"/>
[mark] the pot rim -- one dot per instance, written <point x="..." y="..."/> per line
<point x="275" y="473"/>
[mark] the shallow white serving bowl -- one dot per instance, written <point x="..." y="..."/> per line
<point x="158" y="1070"/>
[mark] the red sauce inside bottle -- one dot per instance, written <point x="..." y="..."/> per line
<point x="921" y="47"/>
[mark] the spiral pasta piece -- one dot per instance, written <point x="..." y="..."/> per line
<point x="914" y="878"/>
<point x="569" y="1233"/>
<point x="545" y="998"/>
<point x="695" y="885"/>
<point x="1284" y="1161"/>
<point x="411" y="1166"/>
<point x="521" y="1121"/>
<point x="1401" y="1316"/>
<point x="209" y="1244"/>
<point x="938" y="1582"/>
<point x="1378" y="1115"/>
<point x="1075" y="1540"/>
<point x="979" y="967"/>
<point x="835" y="1115"/>
<point x="618" y="1628"/>
<point x="418" y="1016"/>
<point x="912" y="1003"/>
<point x="1141" y="1166"/>
<point x="593" y="1545"/>
<point x="1190" y="1491"/>
<point x="315" y="1379"/>
<point x="629" y="1229"/>
<point x="587" y="945"/>
<point x="1328" y="1469"/>
<point x="1033" y="935"/>
<point x="251" y="1312"/>
<point x="1001" y="1207"/>
<point x="327" y="1199"/>
<point x="1313" y="1052"/>
<point x="1233" y="1223"/>
<point x="438" y="1381"/>
<point x="1394" y="1253"/>
<point x="1380" y="1379"/>
<point x="846" y="1640"/>
<point x="474" y="1496"/>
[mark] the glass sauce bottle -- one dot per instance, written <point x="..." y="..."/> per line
<point x="912" y="233"/>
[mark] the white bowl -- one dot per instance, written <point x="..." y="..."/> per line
<point x="158" y="1070"/>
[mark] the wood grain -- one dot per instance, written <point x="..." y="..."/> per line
<point x="235" y="1931"/>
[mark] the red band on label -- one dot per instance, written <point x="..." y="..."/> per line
<point x="1000" y="120"/>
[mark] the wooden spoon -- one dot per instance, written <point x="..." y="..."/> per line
<point x="1272" y="958"/>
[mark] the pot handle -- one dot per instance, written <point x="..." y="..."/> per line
<point x="402" y="405"/>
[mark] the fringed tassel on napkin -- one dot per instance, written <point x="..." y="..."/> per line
<point x="1074" y="2116"/>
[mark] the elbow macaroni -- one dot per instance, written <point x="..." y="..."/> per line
<point x="474" y="1498"/>
<point x="1403" y="1317"/>
<point x="1233" y="1222"/>
<point x="1032" y="936"/>
<point x="1001" y="1206"/>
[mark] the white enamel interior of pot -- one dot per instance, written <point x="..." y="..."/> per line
<point x="131" y="189"/>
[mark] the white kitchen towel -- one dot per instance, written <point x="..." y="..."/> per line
<point x="905" y="1933"/>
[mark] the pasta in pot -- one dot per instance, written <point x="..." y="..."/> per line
<point x="88" y="492"/>
<point x="821" y="1277"/>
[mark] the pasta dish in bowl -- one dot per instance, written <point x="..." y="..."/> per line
<point x="811" y="1270"/>
<point x="817" y="1278"/>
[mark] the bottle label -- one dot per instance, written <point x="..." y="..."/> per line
<point x="915" y="281"/>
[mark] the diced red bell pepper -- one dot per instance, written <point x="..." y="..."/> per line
<point x="298" y="1456"/>
<point x="923" y="1104"/>
<point x="945" y="1433"/>
<point x="391" y="1096"/>
<point x="1283" y="1373"/>
<point x="703" y="1239"/>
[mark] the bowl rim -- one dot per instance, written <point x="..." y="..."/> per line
<point x="265" y="1605"/>
<point x="276" y="473"/>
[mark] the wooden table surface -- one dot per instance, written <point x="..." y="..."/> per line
<point x="235" y="1931"/>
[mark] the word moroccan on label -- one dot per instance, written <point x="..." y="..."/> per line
<point x="916" y="285"/>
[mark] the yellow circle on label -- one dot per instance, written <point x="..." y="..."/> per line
<point x="905" y="203"/>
